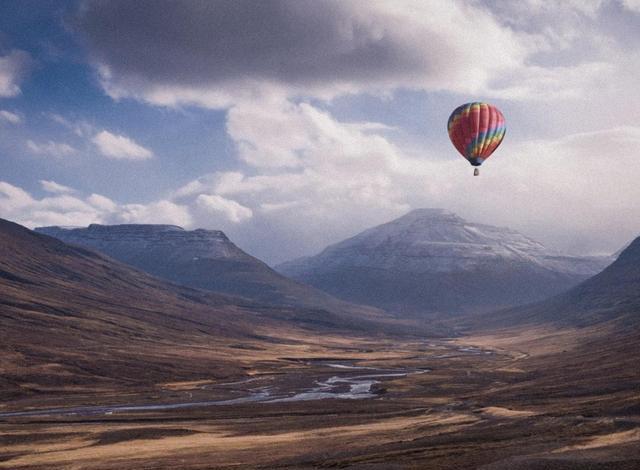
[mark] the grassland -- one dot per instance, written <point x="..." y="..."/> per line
<point x="490" y="401"/>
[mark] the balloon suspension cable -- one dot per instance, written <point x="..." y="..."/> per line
<point x="476" y="172"/>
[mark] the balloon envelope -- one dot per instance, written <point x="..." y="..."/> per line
<point x="476" y="129"/>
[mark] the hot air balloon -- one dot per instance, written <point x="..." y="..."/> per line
<point x="476" y="129"/>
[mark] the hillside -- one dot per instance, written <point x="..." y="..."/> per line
<point x="103" y="366"/>
<point x="610" y="296"/>
<point x="73" y="320"/>
<point x="202" y="259"/>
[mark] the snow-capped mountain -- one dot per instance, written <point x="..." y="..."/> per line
<point x="432" y="260"/>
<point x="203" y="259"/>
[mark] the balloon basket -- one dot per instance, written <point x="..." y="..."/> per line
<point x="476" y="172"/>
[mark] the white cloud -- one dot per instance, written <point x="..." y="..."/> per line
<point x="18" y="205"/>
<point x="120" y="147"/>
<point x="80" y="128"/>
<point x="51" y="148"/>
<point x="232" y="210"/>
<point x="102" y="203"/>
<point x="557" y="82"/>
<point x="159" y="212"/>
<point x="13" y="68"/>
<point x="312" y="136"/>
<point x="633" y="5"/>
<point x="13" y="197"/>
<point x="8" y="116"/>
<point x="340" y="179"/>
<point x="576" y="193"/>
<point x="330" y="178"/>
<point x="55" y="188"/>
<point x="64" y="203"/>
<point x="64" y="208"/>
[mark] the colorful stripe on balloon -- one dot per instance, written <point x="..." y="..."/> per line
<point x="476" y="130"/>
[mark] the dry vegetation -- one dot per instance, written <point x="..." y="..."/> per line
<point x="501" y="410"/>
<point x="80" y="330"/>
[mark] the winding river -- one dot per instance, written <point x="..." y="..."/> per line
<point x="333" y="380"/>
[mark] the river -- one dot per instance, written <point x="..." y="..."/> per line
<point x="333" y="380"/>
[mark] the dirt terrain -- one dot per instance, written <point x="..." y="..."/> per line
<point x="105" y="367"/>
<point x="474" y="402"/>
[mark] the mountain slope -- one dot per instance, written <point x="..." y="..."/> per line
<point x="73" y="319"/>
<point x="581" y="346"/>
<point x="611" y="296"/>
<point x="202" y="259"/>
<point x="430" y="260"/>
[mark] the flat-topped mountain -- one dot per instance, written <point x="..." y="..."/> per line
<point x="203" y="259"/>
<point x="73" y="319"/>
<point x="430" y="260"/>
<point x="135" y="241"/>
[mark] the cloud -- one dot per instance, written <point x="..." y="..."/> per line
<point x="114" y="146"/>
<point x="215" y="54"/>
<point x="329" y="179"/>
<point x="159" y="212"/>
<point x="55" y="188"/>
<point x="339" y="178"/>
<point x="232" y="210"/>
<point x="120" y="147"/>
<point x="14" y="67"/>
<point x="575" y="193"/>
<point x="80" y="128"/>
<point x="306" y="178"/>
<point x="230" y="53"/>
<point x="18" y="205"/>
<point x="102" y="203"/>
<point x="12" y="196"/>
<point x="51" y="148"/>
<point x="11" y="118"/>
<point x="632" y="5"/>
<point x="67" y="207"/>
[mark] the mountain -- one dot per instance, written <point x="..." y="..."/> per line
<point x="430" y="260"/>
<point x="612" y="296"/>
<point x="202" y="259"/>
<point x="582" y="344"/>
<point x="73" y="320"/>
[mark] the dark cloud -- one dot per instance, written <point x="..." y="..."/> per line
<point x="196" y="41"/>
<point x="168" y="52"/>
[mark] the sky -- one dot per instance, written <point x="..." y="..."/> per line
<point x="293" y="124"/>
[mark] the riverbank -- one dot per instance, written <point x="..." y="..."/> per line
<point x="356" y="404"/>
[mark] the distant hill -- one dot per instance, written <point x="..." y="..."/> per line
<point x="610" y="296"/>
<point x="203" y="259"/>
<point x="432" y="261"/>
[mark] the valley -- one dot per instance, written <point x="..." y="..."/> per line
<point x="107" y="367"/>
<point x="486" y="401"/>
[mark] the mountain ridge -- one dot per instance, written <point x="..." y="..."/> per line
<point x="201" y="259"/>
<point x="75" y="320"/>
